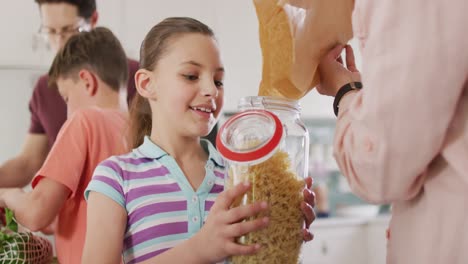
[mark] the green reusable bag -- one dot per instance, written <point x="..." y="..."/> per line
<point x="22" y="247"/>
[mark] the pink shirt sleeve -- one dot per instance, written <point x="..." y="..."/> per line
<point x="413" y="75"/>
<point x="67" y="158"/>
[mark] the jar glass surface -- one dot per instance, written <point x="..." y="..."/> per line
<point x="277" y="177"/>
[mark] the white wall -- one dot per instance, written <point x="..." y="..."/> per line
<point x="234" y="22"/>
<point x="236" y="27"/>
<point x="18" y="21"/>
<point x="16" y="85"/>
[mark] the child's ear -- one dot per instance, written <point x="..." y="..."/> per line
<point x="144" y="83"/>
<point x="94" y="19"/>
<point x="90" y="81"/>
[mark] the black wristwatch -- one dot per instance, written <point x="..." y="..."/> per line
<point x="344" y="90"/>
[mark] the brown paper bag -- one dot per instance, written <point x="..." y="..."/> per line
<point x="294" y="35"/>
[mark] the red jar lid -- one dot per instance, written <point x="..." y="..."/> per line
<point x="249" y="135"/>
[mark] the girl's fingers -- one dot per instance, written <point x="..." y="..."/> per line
<point x="242" y="212"/>
<point x="307" y="235"/>
<point x="233" y="249"/>
<point x="309" y="197"/>
<point x="308" y="213"/>
<point x="350" y="60"/>
<point x="309" y="181"/>
<point x="227" y="197"/>
<point x="245" y="227"/>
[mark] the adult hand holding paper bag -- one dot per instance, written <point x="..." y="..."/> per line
<point x="294" y="35"/>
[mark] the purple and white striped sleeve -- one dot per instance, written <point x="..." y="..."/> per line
<point x="107" y="179"/>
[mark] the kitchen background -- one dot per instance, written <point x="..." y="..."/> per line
<point x="353" y="233"/>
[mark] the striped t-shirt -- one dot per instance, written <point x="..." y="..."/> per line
<point x="163" y="209"/>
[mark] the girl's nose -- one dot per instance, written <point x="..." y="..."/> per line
<point x="210" y="89"/>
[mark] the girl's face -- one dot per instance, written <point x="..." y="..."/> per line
<point x="188" y="85"/>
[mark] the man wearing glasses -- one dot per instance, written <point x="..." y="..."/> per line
<point x="60" y="19"/>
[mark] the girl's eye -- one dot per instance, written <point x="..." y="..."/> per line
<point x="218" y="83"/>
<point x="191" y="77"/>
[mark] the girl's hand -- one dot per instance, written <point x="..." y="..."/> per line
<point x="215" y="241"/>
<point x="333" y="74"/>
<point x="307" y="209"/>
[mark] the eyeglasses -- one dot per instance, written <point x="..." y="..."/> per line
<point x="48" y="33"/>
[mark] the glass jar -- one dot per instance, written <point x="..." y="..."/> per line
<point x="267" y="144"/>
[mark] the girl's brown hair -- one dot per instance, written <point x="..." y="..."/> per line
<point x="152" y="49"/>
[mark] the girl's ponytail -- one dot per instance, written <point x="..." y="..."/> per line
<point x="140" y="120"/>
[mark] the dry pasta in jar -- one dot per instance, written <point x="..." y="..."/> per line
<point x="267" y="145"/>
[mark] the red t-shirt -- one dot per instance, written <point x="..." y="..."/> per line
<point x="88" y="137"/>
<point x="49" y="111"/>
